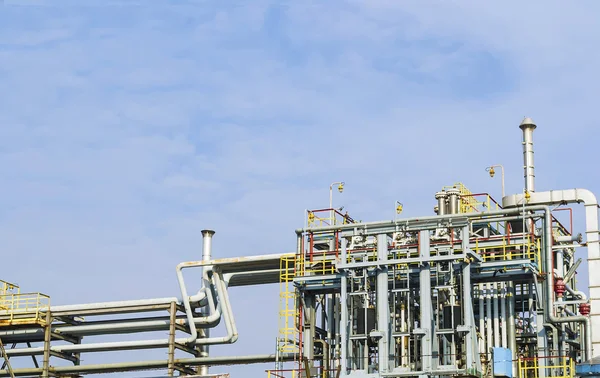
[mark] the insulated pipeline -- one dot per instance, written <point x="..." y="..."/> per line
<point x="231" y="336"/>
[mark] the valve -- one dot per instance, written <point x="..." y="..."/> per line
<point x="585" y="309"/>
<point x="559" y="287"/>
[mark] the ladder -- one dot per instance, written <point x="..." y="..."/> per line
<point x="7" y="362"/>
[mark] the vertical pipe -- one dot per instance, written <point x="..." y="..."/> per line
<point x="383" y="309"/>
<point x="336" y="353"/>
<point x="528" y="126"/>
<point x="171" y="354"/>
<point x="47" y="339"/>
<point x="467" y="304"/>
<point x="426" y="315"/>
<point x="403" y="352"/>
<point x="330" y="300"/>
<point x="309" y="330"/>
<point x="453" y="201"/>
<point x="496" y="315"/>
<point x="482" y="330"/>
<point x="510" y="324"/>
<point x="503" y="314"/>
<point x="560" y="266"/>
<point x="344" y="313"/>
<point x="441" y="198"/>
<point x="207" y="236"/>
<point x="489" y="326"/>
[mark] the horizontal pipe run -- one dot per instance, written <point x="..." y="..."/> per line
<point x="121" y="326"/>
<point x="124" y="307"/>
<point x="231" y="336"/>
<point x="114" y="305"/>
<point x="401" y="222"/>
<point x="156" y="364"/>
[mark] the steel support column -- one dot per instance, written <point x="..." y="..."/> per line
<point x="171" y="354"/>
<point x="426" y="315"/>
<point x="344" y="339"/>
<point x="47" y="339"/>
<point x="470" y="336"/>
<point x="383" y="308"/>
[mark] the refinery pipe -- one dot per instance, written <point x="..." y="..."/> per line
<point x="157" y="364"/>
<point x="231" y="337"/>
<point x="561" y="197"/>
<point x="549" y="307"/>
<point x="117" y="307"/>
<point x="433" y="218"/>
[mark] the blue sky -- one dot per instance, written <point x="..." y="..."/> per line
<point x="126" y="127"/>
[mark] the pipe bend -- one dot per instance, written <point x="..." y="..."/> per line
<point x="232" y="334"/>
<point x="199" y="299"/>
<point x="193" y="321"/>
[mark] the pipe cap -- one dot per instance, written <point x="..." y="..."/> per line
<point x="527" y="123"/>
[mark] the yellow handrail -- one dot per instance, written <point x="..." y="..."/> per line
<point x="557" y="367"/>
<point x="26" y="308"/>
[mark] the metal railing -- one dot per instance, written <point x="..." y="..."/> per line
<point x="557" y="367"/>
<point x="8" y="288"/>
<point x="315" y="372"/>
<point x="529" y="248"/>
<point x="26" y="308"/>
<point x="331" y="217"/>
<point x="318" y="263"/>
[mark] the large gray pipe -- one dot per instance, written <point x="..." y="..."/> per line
<point x="453" y="201"/>
<point x="207" y="244"/>
<point x="441" y="198"/>
<point x="528" y="126"/>
<point x="206" y="256"/>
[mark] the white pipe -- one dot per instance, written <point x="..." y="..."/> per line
<point x="206" y="256"/>
<point x="578" y="238"/>
<point x="123" y="304"/>
<point x="489" y="326"/>
<point x="559" y="197"/>
<point x="481" y="321"/>
<point x="528" y="126"/>
<point x="503" y="315"/>
<point x="560" y="260"/>
<point x="496" y="316"/>
<point x="510" y="326"/>
<point x="576" y="293"/>
<point x="188" y="309"/>
<point x="231" y="336"/>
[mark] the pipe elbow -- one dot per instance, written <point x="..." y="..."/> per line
<point x="199" y="299"/>
<point x="587" y="197"/>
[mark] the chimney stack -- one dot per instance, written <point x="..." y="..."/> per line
<point x="528" y="126"/>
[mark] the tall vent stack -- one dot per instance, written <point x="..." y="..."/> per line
<point x="528" y="126"/>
